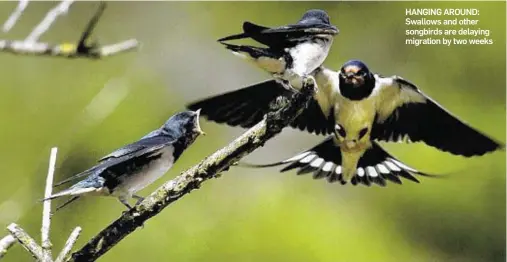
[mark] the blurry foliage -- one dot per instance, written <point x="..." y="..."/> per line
<point x="252" y="215"/>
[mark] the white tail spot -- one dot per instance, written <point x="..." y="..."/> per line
<point x="307" y="159"/>
<point x="392" y="166"/>
<point x="317" y="162"/>
<point x="296" y="158"/>
<point x="371" y="171"/>
<point x="327" y="167"/>
<point x="360" y="171"/>
<point x="398" y="163"/>
<point x="383" y="169"/>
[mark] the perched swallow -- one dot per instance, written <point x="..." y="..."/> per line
<point x="357" y="107"/>
<point x="292" y="51"/>
<point x="133" y="167"/>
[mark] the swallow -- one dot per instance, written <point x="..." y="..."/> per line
<point x="292" y="51"/>
<point x="135" y="166"/>
<point x="357" y="107"/>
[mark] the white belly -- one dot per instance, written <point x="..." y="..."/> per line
<point x="146" y="176"/>
<point x="309" y="56"/>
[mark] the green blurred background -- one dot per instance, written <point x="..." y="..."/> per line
<point x="88" y="108"/>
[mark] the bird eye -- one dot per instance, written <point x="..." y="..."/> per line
<point x="363" y="132"/>
<point x="340" y="131"/>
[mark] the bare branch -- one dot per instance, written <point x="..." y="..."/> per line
<point x="84" y="48"/>
<point x="43" y="252"/>
<point x="192" y="179"/>
<point x="14" y="17"/>
<point x="46" y="210"/>
<point x="45" y="24"/>
<point x="127" y="45"/>
<point x="68" y="50"/>
<point x="26" y="241"/>
<point x="5" y="244"/>
<point x="64" y="254"/>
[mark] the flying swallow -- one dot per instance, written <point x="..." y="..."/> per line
<point x="357" y="107"/>
<point x="292" y="51"/>
<point x="133" y="167"/>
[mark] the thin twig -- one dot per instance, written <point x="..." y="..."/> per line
<point x="64" y="254"/>
<point x="26" y="241"/>
<point x="43" y="252"/>
<point x="193" y="178"/>
<point x="45" y="24"/>
<point x="46" y="210"/>
<point x="127" y="45"/>
<point x="5" y="244"/>
<point x="14" y="17"/>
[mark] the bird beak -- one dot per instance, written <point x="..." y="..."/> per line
<point x="197" y="124"/>
<point x="332" y="30"/>
<point x="349" y="78"/>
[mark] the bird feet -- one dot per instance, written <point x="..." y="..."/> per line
<point x="309" y="81"/>
<point x="309" y="84"/>
<point x="138" y="198"/>
<point x="278" y="103"/>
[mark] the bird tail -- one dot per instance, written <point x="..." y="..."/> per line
<point x="249" y="29"/>
<point x="249" y="52"/>
<point x="72" y="199"/>
<point x="325" y="161"/>
<point x="233" y="37"/>
<point x="73" y="191"/>
<point x="76" y="176"/>
<point x="251" y="165"/>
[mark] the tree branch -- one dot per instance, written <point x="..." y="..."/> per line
<point x="63" y="256"/>
<point x="46" y="208"/>
<point x="6" y="243"/>
<point x="84" y="48"/>
<point x="43" y="252"/>
<point x="26" y="241"/>
<point x="51" y="16"/>
<point x="192" y="179"/>
<point x="14" y="17"/>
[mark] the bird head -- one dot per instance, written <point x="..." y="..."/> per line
<point x="355" y="73"/>
<point x="185" y="124"/>
<point x="319" y="20"/>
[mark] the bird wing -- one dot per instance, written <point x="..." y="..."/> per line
<point x="278" y="37"/>
<point x="405" y="112"/>
<point x="136" y="153"/>
<point x="249" y="29"/>
<point x="247" y="106"/>
<point x="324" y="161"/>
<point x="146" y="144"/>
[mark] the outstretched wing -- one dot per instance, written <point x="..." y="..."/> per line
<point x="324" y="161"/>
<point x="247" y="106"/>
<point x="406" y="112"/>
